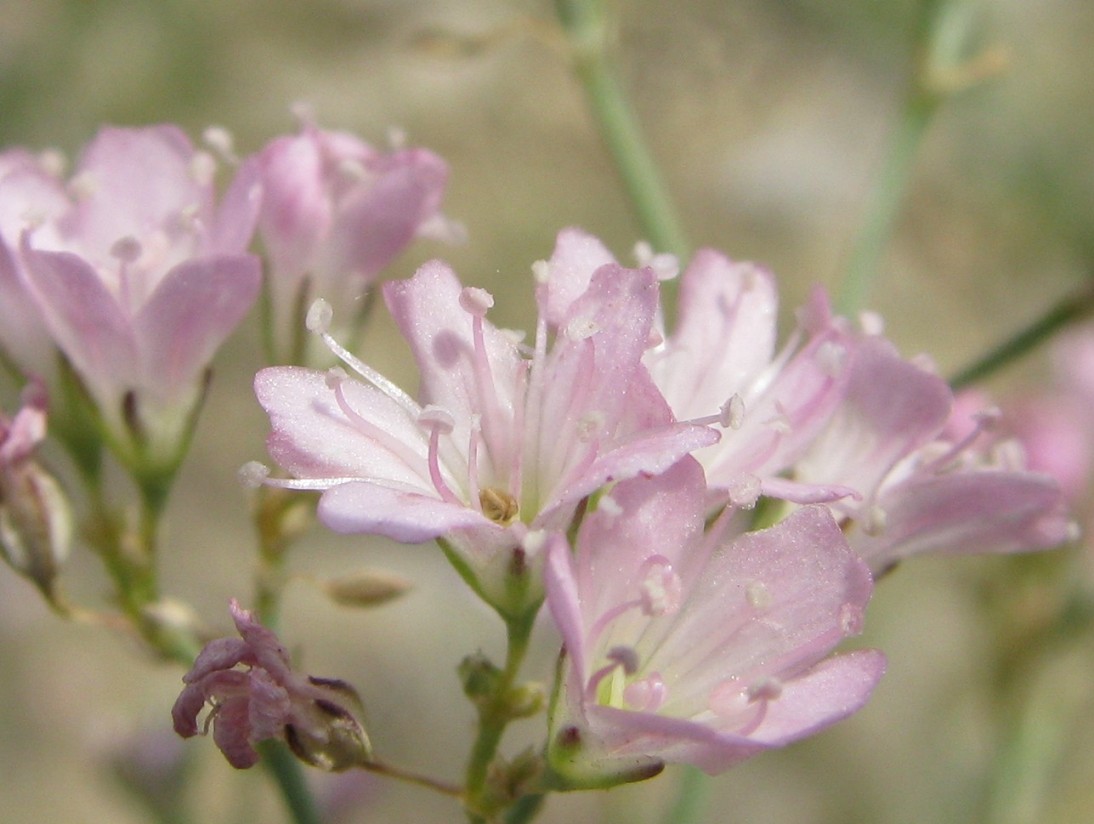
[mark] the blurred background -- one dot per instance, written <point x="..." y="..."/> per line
<point x="770" y="119"/>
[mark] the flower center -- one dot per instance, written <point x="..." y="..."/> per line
<point x="498" y="505"/>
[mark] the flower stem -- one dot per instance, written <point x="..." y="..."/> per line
<point x="690" y="799"/>
<point x="1075" y="307"/>
<point x="285" y="770"/>
<point x="586" y="26"/>
<point x="494" y="716"/>
<point x="941" y="69"/>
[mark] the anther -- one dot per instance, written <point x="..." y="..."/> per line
<point x="732" y="413"/>
<point x="434" y="417"/>
<point x="253" y="474"/>
<point x="541" y="271"/>
<point x="127" y="249"/>
<point x="476" y="301"/>
<point x="580" y="329"/>
<point x="220" y="140"/>
<point x="319" y="317"/>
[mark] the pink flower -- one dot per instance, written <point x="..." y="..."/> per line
<point x="503" y="439"/>
<point x="256" y="695"/>
<point x="335" y="213"/>
<point x="693" y="647"/>
<point x="928" y="478"/>
<point x="719" y="365"/>
<point x="29" y="195"/>
<point x="137" y="275"/>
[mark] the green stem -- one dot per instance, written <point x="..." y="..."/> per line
<point x="585" y="24"/>
<point x="885" y="201"/>
<point x="691" y="798"/>
<point x="286" y="772"/>
<point x="1069" y="310"/>
<point x="494" y="717"/>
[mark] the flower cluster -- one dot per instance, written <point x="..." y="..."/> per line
<point x="614" y="468"/>
<point x="131" y="272"/>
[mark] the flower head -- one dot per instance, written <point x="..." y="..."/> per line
<point x="256" y="695"/>
<point x="694" y="647"/>
<point x="137" y="274"/>
<point x="335" y="212"/>
<point x="503" y="438"/>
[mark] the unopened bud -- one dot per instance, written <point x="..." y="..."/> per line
<point x="366" y="588"/>
<point x="35" y="522"/>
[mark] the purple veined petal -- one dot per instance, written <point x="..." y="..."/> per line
<point x="376" y="222"/>
<point x="891" y="407"/>
<point x="967" y="512"/>
<point x="406" y="516"/>
<point x="576" y="257"/>
<point x="825" y="694"/>
<point x="194" y="308"/>
<point x="85" y="320"/>
<point x="312" y="437"/>
<point x="645" y="453"/>
<point x="297" y="211"/>
<point x="134" y="182"/>
<point x="428" y="312"/>
<point x="724" y="338"/>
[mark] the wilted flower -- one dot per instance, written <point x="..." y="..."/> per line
<point x="256" y="695"/>
<point x="504" y="438"/>
<point x="35" y="517"/>
<point x="136" y="274"/>
<point x="335" y="212"/>
<point x="702" y="648"/>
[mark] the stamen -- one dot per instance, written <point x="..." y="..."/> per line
<point x="83" y="185"/>
<point x="580" y="329"/>
<point x="352" y="171"/>
<point x="499" y="506"/>
<point x="733" y="412"/>
<point x="127" y="249"/>
<point x="661" y="588"/>
<point x="665" y="266"/>
<point x="53" y="162"/>
<point x="203" y="168"/>
<point x="745" y="491"/>
<point x="764" y="688"/>
<point x="318" y="321"/>
<point x="541" y="271"/>
<point x="438" y="422"/>
<point x="220" y="140"/>
<point x="253" y="474"/>
<point x="647" y="694"/>
<point x="476" y="301"/>
<point x="831" y="357"/>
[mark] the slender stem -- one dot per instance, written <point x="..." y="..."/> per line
<point x="884" y="204"/>
<point x="494" y="716"/>
<point x="586" y="27"/>
<point x="1076" y="307"/>
<point x="400" y="774"/>
<point x="691" y="798"/>
<point x="286" y="772"/>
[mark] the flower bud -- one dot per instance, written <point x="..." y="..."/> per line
<point x="35" y="516"/>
